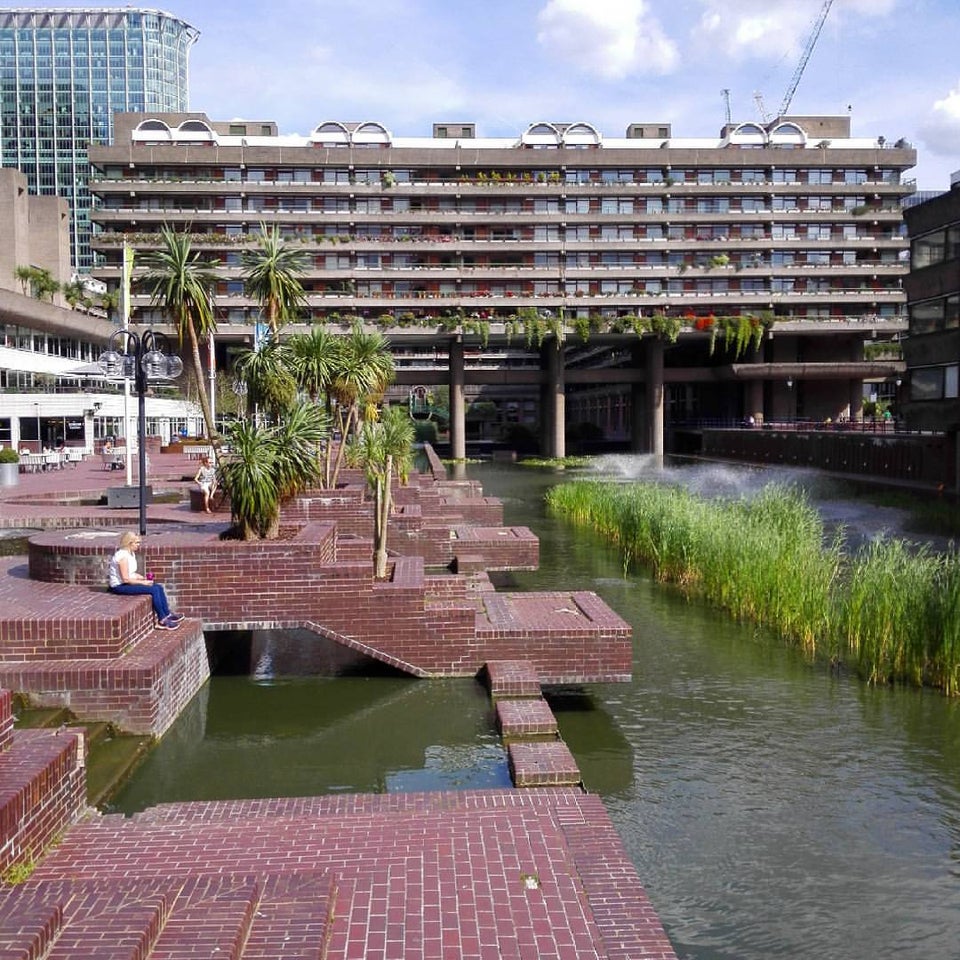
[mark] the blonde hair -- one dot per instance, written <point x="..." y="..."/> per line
<point x="127" y="539"/>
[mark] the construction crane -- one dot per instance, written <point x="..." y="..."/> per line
<point x="801" y="66"/>
<point x="725" y="93"/>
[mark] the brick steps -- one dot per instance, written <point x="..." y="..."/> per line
<point x="236" y="917"/>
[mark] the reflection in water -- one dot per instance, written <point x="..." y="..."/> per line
<point x="773" y="808"/>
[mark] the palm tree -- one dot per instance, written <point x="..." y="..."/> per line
<point x="272" y="276"/>
<point x="268" y="465"/>
<point x="313" y="356"/>
<point x="266" y="370"/>
<point x="110" y="301"/>
<point x="181" y="283"/>
<point x="364" y="369"/>
<point x="383" y="449"/>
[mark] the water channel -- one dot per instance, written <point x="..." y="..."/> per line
<point x="773" y="807"/>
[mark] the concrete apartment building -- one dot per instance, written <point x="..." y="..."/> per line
<point x="633" y="282"/>
<point x="64" y="73"/>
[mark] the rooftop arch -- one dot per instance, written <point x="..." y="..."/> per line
<point x="581" y="134"/>
<point x="371" y="132"/>
<point x="788" y="132"/>
<point x="747" y="134"/>
<point x="541" y="134"/>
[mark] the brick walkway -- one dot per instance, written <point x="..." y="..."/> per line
<point x="495" y="875"/>
<point x="486" y="874"/>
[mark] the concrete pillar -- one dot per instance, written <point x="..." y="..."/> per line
<point x="856" y="400"/>
<point x="553" y="417"/>
<point x="458" y="418"/>
<point x="654" y="394"/>
<point x="755" y="400"/>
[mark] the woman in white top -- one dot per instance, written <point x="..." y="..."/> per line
<point x="123" y="578"/>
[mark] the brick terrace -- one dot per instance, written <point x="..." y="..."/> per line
<point x="538" y="872"/>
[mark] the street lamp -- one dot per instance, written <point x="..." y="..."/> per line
<point x="140" y="358"/>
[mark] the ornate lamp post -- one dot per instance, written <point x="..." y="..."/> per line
<point x="140" y="357"/>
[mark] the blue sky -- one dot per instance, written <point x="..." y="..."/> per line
<point x="503" y="64"/>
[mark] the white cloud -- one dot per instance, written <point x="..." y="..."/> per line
<point x="609" y="38"/>
<point x="941" y="131"/>
<point x="756" y="29"/>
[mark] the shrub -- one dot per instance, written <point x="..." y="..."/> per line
<point x="9" y="455"/>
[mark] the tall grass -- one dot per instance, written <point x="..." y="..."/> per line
<point x="892" y="611"/>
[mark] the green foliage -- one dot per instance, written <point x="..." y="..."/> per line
<point x="9" y="455"/>
<point x="38" y="281"/>
<point x="268" y="465"/>
<point x="272" y="275"/>
<point x="182" y="284"/>
<point x="19" y="872"/>
<point x="425" y="431"/>
<point x="892" y="610"/>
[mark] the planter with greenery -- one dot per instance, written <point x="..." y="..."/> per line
<point x="9" y="467"/>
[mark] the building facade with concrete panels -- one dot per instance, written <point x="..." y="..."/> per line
<point x="633" y="282"/>
<point x="51" y="391"/>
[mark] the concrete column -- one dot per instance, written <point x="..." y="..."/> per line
<point x="856" y="400"/>
<point x="654" y="394"/>
<point x="553" y="403"/>
<point x="458" y="418"/>
<point x="755" y="400"/>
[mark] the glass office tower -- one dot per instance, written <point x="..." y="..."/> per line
<point x="64" y="73"/>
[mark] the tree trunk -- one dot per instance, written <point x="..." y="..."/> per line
<point x="212" y="434"/>
<point x="382" y="510"/>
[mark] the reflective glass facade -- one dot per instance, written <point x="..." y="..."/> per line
<point x="64" y="73"/>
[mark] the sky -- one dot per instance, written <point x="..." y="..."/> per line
<point x="504" y="64"/>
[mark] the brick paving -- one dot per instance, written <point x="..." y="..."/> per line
<point x="538" y="872"/>
<point x="486" y="874"/>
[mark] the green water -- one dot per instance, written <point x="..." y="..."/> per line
<point x="773" y="807"/>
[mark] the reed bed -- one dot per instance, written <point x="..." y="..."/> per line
<point x="891" y="610"/>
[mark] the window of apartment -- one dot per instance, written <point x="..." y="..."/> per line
<point x="546" y="259"/>
<point x="929" y="383"/>
<point x="852" y="203"/>
<point x="785" y="203"/>
<point x="546" y="205"/>
<point x="752" y="204"/>
<point x="616" y="176"/>
<point x="676" y="205"/>
<point x="708" y="175"/>
<point x="232" y="174"/>
<point x="616" y="205"/>
<point x="751" y="231"/>
<point x="546" y="233"/>
<point x="578" y="233"/>
<point x="367" y="205"/>
<point x="820" y="176"/>
<point x="616" y="232"/>
<point x="652" y="175"/>
<point x="256" y="175"/>
<point x="815" y="202"/>
<point x="713" y="204"/>
<point x="783" y="258"/>
<point x="612" y="258"/>
<point x="232" y="204"/>
<point x="368" y="261"/>
<point x="855" y="175"/>
<point x="579" y="176"/>
<point x="655" y="231"/>
<point x="952" y="249"/>
<point x="654" y="204"/>
<point x="676" y="231"/>
<point x="576" y="205"/>
<point x="581" y="259"/>
<point x="783" y="231"/>
<point x="752" y="175"/>
<point x="785" y="175"/>
<point x="336" y="175"/>
<point x="928" y="249"/>
<point x="818" y="231"/>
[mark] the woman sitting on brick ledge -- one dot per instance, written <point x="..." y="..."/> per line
<point x="123" y="578"/>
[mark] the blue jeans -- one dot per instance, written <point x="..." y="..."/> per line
<point x="157" y="594"/>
